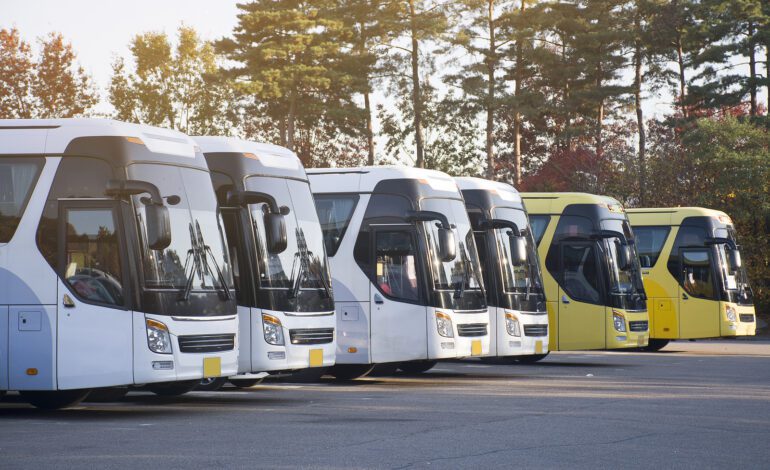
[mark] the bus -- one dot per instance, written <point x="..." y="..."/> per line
<point x="113" y="264"/>
<point x="593" y="284"/>
<point x="282" y="280"/>
<point x="693" y="273"/>
<point x="407" y="283"/>
<point x="511" y="269"/>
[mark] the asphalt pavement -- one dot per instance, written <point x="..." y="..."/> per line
<point x="693" y="405"/>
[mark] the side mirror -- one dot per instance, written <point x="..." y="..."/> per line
<point x="734" y="258"/>
<point x="447" y="244"/>
<point x="624" y="256"/>
<point x="275" y="228"/>
<point x="158" y="226"/>
<point x="518" y="249"/>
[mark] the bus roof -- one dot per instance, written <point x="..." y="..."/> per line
<point x="258" y="158"/>
<point x="672" y="215"/>
<point x="20" y="137"/>
<point x="364" y="179"/>
<point x="555" y="203"/>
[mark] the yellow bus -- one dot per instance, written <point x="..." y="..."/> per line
<point x="693" y="274"/>
<point x="593" y="284"/>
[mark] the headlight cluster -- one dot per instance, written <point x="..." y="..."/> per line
<point x="730" y="313"/>
<point x="273" y="329"/>
<point x="619" y="321"/>
<point x="512" y="325"/>
<point x="444" y="325"/>
<point x="158" y="337"/>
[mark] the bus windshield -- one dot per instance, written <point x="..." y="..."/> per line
<point x="299" y="275"/>
<point x="525" y="279"/>
<point x="461" y="276"/>
<point x="196" y="260"/>
<point x="625" y="285"/>
<point x="735" y="281"/>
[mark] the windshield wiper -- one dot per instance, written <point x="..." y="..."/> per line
<point x="304" y="255"/>
<point x="201" y="253"/>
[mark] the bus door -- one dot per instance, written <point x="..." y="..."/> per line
<point x="95" y="347"/>
<point x="582" y="316"/>
<point x="698" y="305"/>
<point x="398" y="314"/>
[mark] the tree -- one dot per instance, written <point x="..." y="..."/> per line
<point x="17" y="72"/>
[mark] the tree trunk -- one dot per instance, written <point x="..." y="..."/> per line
<point x="752" y="70"/>
<point x="767" y="76"/>
<point x="682" y="82"/>
<point x="640" y="117"/>
<point x="416" y="95"/>
<point x="491" y="61"/>
<point x="516" y="113"/>
<point x="599" y="113"/>
<point x="369" y="130"/>
<point x="290" y="120"/>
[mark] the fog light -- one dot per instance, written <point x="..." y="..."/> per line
<point x="163" y="365"/>
<point x="620" y="338"/>
<point x="448" y="345"/>
<point x="276" y="355"/>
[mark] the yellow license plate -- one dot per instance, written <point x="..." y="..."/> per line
<point x="538" y="347"/>
<point x="212" y="367"/>
<point x="316" y="357"/>
<point x="476" y="347"/>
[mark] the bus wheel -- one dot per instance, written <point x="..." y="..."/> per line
<point x="2" y="393"/>
<point x="173" y="389"/>
<point x="108" y="394"/>
<point x="531" y="358"/>
<point x="54" y="400"/>
<point x="350" y="371"/>
<point x="655" y="345"/>
<point x="211" y="384"/>
<point x="245" y="383"/>
<point x="303" y="376"/>
<point x="417" y="367"/>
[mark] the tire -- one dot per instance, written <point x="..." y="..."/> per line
<point x="245" y="383"/>
<point x="173" y="389"/>
<point x="304" y="376"/>
<point x="54" y="400"/>
<point x="417" y="367"/>
<point x="531" y="358"/>
<point x="211" y="384"/>
<point x="350" y="371"/>
<point x="2" y="393"/>
<point x="655" y="345"/>
<point x="384" y="370"/>
<point x="108" y="394"/>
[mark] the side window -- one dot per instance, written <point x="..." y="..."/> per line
<point x="538" y="223"/>
<point x="687" y="237"/>
<point x="396" y="265"/>
<point x="649" y="243"/>
<point x="696" y="274"/>
<point x="580" y="276"/>
<point x="232" y="232"/>
<point x="17" y="180"/>
<point x="91" y="255"/>
<point x="334" y="213"/>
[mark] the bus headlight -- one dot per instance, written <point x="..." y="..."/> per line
<point x="158" y="337"/>
<point x="444" y="325"/>
<point x="512" y="325"/>
<point x="730" y="313"/>
<point x="619" y="321"/>
<point x="273" y="330"/>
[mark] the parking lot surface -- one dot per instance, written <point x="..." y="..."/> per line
<point x="693" y="405"/>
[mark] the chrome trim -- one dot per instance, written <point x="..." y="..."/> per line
<point x="228" y="317"/>
<point x="308" y="314"/>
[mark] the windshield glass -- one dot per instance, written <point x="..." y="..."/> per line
<point x="196" y="259"/>
<point x="461" y="275"/>
<point x="735" y="281"/>
<point x="625" y="289"/>
<point x="524" y="279"/>
<point x="300" y="272"/>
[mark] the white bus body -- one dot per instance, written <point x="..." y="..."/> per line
<point x="514" y="288"/>
<point x="109" y="244"/>
<point x="397" y="299"/>
<point x="287" y="290"/>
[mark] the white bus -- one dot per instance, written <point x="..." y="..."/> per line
<point x="407" y="283"/>
<point x="113" y="263"/>
<point x="282" y="280"/>
<point x="511" y="269"/>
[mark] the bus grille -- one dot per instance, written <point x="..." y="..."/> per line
<point x="206" y="343"/>
<point x="472" y="329"/>
<point x="535" y="330"/>
<point x="312" y="336"/>
<point x="640" y="325"/>
<point x="747" y="317"/>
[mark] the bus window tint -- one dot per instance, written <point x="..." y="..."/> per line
<point x="580" y="272"/>
<point x="538" y="223"/>
<point x="334" y="213"/>
<point x="396" y="265"/>
<point x="92" y="260"/>
<point x="17" y="179"/>
<point x="649" y="243"/>
<point x="696" y="274"/>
